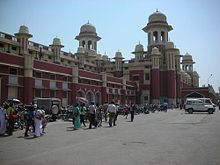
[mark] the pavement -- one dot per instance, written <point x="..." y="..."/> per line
<point x="160" y="138"/>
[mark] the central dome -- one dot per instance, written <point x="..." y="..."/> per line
<point x="157" y="16"/>
<point x="88" y="28"/>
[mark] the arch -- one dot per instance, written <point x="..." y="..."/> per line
<point x="195" y="95"/>
<point x="155" y="36"/>
<point x="90" y="96"/>
<point x="83" y="44"/>
<point x="89" y="44"/>
<point x="80" y="93"/>
<point x="162" y="36"/>
<point x="98" y="98"/>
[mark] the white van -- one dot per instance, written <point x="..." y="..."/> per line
<point x="199" y="105"/>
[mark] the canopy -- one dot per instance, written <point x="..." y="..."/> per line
<point x="81" y="100"/>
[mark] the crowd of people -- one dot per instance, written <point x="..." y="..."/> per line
<point x="33" y="118"/>
<point x="94" y="114"/>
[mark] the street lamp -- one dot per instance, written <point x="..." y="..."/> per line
<point x="209" y="78"/>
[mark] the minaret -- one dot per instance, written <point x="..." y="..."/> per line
<point x="118" y="61"/>
<point x="139" y="52"/>
<point x="187" y="66"/>
<point x="187" y="63"/>
<point x="157" y="29"/>
<point x="88" y="38"/>
<point x="23" y="35"/>
<point x="172" y="65"/>
<point x="56" y="48"/>
<point x="155" y="76"/>
<point x="118" y="64"/>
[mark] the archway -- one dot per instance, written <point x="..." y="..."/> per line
<point x="90" y="96"/>
<point x="98" y="98"/>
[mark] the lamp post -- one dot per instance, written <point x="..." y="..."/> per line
<point x="209" y="78"/>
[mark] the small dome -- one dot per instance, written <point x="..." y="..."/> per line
<point x="105" y="57"/>
<point x="157" y="16"/>
<point x="99" y="57"/>
<point x="80" y="50"/>
<point x="56" y="41"/>
<point x="169" y="45"/>
<point x="139" y="48"/>
<point x="88" y="28"/>
<point x="24" y="29"/>
<point x="195" y="74"/>
<point x="187" y="57"/>
<point x="155" y="51"/>
<point x="118" y="55"/>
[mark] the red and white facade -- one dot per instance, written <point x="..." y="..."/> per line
<point x="29" y="70"/>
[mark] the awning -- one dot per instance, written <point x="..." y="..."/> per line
<point x="81" y="100"/>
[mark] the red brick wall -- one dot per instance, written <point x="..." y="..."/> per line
<point x="52" y="67"/>
<point x="10" y="59"/>
<point x="155" y="80"/>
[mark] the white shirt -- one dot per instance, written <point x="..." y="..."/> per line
<point x="111" y="108"/>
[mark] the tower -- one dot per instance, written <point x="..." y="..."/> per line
<point x="155" y="75"/>
<point x="56" y="48"/>
<point x="88" y="38"/>
<point x="157" y="29"/>
<point x="187" y="66"/>
<point x="23" y="35"/>
<point x="118" y="64"/>
<point x="139" y="52"/>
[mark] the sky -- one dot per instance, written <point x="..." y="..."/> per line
<point x="119" y="23"/>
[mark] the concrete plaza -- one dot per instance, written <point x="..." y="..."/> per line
<point x="172" y="138"/>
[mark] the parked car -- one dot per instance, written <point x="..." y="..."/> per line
<point x="199" y="105"/>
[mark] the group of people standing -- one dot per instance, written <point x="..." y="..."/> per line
<point x="33" y="117"/>
<point x="96" y="113"/>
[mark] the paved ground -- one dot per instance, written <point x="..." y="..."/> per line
<point x="172" y="138"/>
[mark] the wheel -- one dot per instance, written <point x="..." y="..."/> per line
<point x="190" y="111"/>
<point x="210" y="111"/>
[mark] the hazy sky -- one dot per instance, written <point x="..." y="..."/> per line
<point x="119" y="23"/>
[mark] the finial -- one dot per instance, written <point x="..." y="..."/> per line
<point x="157" y="10"/>
<point x="139" y="42"/>
<point x="88" y="22"/>
<point x="118" y="50"/>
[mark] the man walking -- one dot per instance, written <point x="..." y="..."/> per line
<point x="112" y="112"/>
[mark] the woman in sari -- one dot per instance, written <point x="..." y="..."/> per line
<point x="76" y="116"/>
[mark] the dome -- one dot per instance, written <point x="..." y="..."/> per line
<point x="187" y="57"/>
<point x="195" y="74"/>
<point x="169" y="45"/>
<point x="157" y="16"/>
<point x="99" y="57"/>
<point x="24" y="29"/>
<point x="155" y="51"/>
<point x="105" y="57"/>
<point x="87" y="28"/>
<point x="80" y="50"/>
<point x="118" y="55"/>
<point x="139" y="48"/>
<point x="56" y="41"/>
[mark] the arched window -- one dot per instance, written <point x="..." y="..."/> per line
<point x="89" y="44"/>
<point x="155" y="36"/>
<point x="98" y="98"/>
<point x="162" y="36"/>
<point x="83" y="44"/>
<point x="90" y="97"/>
